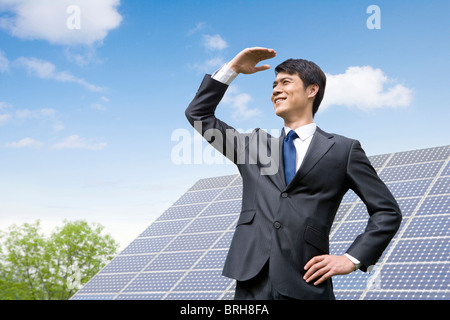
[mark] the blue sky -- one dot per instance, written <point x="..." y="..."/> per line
<point x="90" y="113"/>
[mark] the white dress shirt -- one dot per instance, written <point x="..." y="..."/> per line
<point x="225" y="75"/>
<point x="305" y="133"/>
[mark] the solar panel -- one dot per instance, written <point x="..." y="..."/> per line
<point x="181" y="254"/>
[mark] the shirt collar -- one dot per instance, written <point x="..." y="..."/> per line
<point x="303" y="132"/>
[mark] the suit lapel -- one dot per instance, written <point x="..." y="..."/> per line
<point x="320" y="144"/>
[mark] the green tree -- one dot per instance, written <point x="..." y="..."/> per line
<point x="35" y="267"/>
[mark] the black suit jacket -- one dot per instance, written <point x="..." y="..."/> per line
<point x="290" y="224"/>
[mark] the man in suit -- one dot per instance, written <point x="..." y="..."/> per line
<point x="280" y="248"/>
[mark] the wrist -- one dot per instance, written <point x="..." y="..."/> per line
<point x="225" y="75"/>
<point x="357" y="264"/>
<point x="233" y="67"/>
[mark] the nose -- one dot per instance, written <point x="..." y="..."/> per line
<point x="276" y="91"/>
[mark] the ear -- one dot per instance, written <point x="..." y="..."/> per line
<point x="312" y="90"/>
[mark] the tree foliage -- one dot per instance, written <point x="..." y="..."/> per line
<point x="35" y="267"/>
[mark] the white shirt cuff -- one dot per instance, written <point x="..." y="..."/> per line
<point x="225" y="75"/>
<point x="354" y="260"/>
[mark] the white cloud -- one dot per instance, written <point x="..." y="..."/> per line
<point x="4" y="118"/>
<point x="76" y="142"/>
<point x="199" y="26"/>
<point x="46" y="70"/>
<point x="215" y="42"/>
<point x="4" y="105"/>
<point x="82" y="56"/>
<point x="26" y="142"/>
<point x="365" y="89"/>
<point x="209" y="65"/>
<point x="50" y="20"/>
<point x="239" y="102"/>
<point x="45" y="115"/>
<point x="4" y="62"/>
<point x="98" y="106"/>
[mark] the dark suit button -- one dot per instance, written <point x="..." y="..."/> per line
<point x="277" y="225"/>
<point x="284" y="195"/>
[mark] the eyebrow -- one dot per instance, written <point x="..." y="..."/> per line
<point x="281" y="79"/>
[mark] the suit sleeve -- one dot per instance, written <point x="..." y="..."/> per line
<point x="201" y="115"/>
<point x="385" y="216"/>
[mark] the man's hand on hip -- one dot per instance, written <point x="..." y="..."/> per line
<point x="326" y="266"/>
<point x="246" y="60"/>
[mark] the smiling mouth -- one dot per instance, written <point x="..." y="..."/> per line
<point x="279" y="100"/>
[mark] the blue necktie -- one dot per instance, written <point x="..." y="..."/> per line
<point x="289" y="155"/>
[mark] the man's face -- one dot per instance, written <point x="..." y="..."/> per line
<point x="289" y="97"/>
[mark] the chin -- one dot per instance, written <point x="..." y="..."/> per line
<point x="280" y="112"/>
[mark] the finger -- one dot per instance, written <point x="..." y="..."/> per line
<point x="311" y="273"/>
<point x="267" y="52"/>
<point x="317" y="270"/>
<point x="318" y="273"/>
<point x="262" y="68"/>
<point x="323" y="278"/>
<point x="314" y="260"/>
<point x="262" y="53"/>
<point x="267" y="55"/>
<point x="261" y="49"/>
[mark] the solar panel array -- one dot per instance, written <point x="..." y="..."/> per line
<point x="180" y="255"/>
